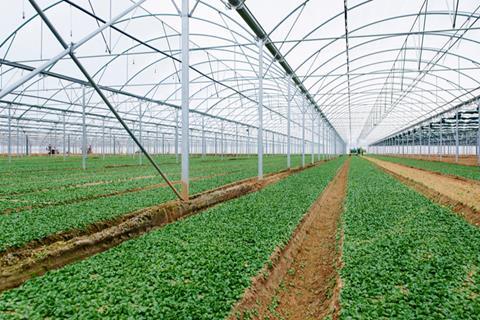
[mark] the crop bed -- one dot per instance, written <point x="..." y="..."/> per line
<point x="468" y="172"/>
<point x="196" y="268"/>
<point x="67" y="198"/>
<point x="404" y="256"/>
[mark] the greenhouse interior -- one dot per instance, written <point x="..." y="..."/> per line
<point x="233" y="159"/>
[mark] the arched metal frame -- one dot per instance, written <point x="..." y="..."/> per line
<point x="139" y="69"/>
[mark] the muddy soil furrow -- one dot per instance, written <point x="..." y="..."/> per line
<point x="303" y="280"/>
<point x="462" y="196"/>
<point x="36" y="258"/>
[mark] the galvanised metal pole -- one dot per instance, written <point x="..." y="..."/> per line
<point x="64" y="146"/>
<point x="237" y="151"/>
<point x="163" y="143"/>
<point x="318" y="137"/>
<point x="312" y="143"/>
<point x="273" y="143"/>
<point x="157" y="141"/>
<point x="478" y="132"/>
<point x="185" y="98"/>
<point x="140" y="132"/>
<point x="18" y="137"/>
<point x="303" y="132"/>
<point x="440" y="149"/>
<point x="327" y="141"/>
<point x="429" y="137"/>
<point x="260" y="109"/>
<point x="99" y="92"/>
<point x="421" y="140"/>
<point x="248" y="142"/>
<point x="204" y="143"/>
<point x="84" y="131"/>
<point x="27" y="145"/>
<point x="456" y="137"/>
<point x="103" y="138"/>
<point x="222" y="144"/>
<point x="9" y="133"/>
<point x="289" y="106"/>
<point x="176" y="136"/>
<point x="324" y="146"/>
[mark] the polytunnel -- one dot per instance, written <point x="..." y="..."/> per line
<point x="171" y="101"/>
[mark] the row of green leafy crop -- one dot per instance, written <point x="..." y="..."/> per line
<point x="50" y="196"/>
<point x="404" y="256"/>
<point x="28" y="182"/>
<point x="21" y="227"/>
<point x="468" y="172"/>
<point x="55" y="194"/>
<point x="196" y="268"/>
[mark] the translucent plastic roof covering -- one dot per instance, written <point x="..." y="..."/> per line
<point x="406" y="60"/>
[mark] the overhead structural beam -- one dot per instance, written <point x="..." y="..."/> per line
<point x="247" y="16"/>
<point x="100" y="93"/>
<point x="66" y="51"/>
<point x="120" y="92"/>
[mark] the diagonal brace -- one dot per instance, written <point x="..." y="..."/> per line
<point x="100" y="93"/>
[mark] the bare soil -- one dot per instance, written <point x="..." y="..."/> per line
<point x="466" y="160"/>
<point x="463" y="196"/>
<point x="303" y="282"/>
<point x="17" y="265"/>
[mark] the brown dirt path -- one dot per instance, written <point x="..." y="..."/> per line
<point x="462" y="160"/>
<point x="303" y="282"/>
<point x="462" y="195"/>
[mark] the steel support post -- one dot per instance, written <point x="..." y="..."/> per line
<point x="222" y="144"/>
<point x="9" y="133"/>
<point x="176" y="137"/>
<point x="289" y="128"/>
<point x="303" y="132"/>
<point x="99" y="92"/>
<point x="163" y="143"/>
<point x="421" y="142"/>
<point x="185" y="98"/>
<point x="440" y="149"/>
<point x="27" y="145"/>
<point x="429" y="139"/>
<point x="324" y="144"/>
<point x="478" y="132"/>
<point x="204" y="142"/>
<point x="103" y="138"/>
<point x="84" y="131"/>
<point x="260" y="109"/>
<point x="140" y="133"/>
<point x="273" y="143"/>
<point x="312" y="143"/>
<point x="248" y="142"/>
<point x="64" y="146"/>
<point x="157" y="140"/>
<point x="18" y="137"/>
<point x="318" y="137"/>
<point x="457" y="148"/>
<point x="236" y="140"/>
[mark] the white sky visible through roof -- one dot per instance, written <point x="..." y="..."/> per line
<point x="405" y="65"/>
